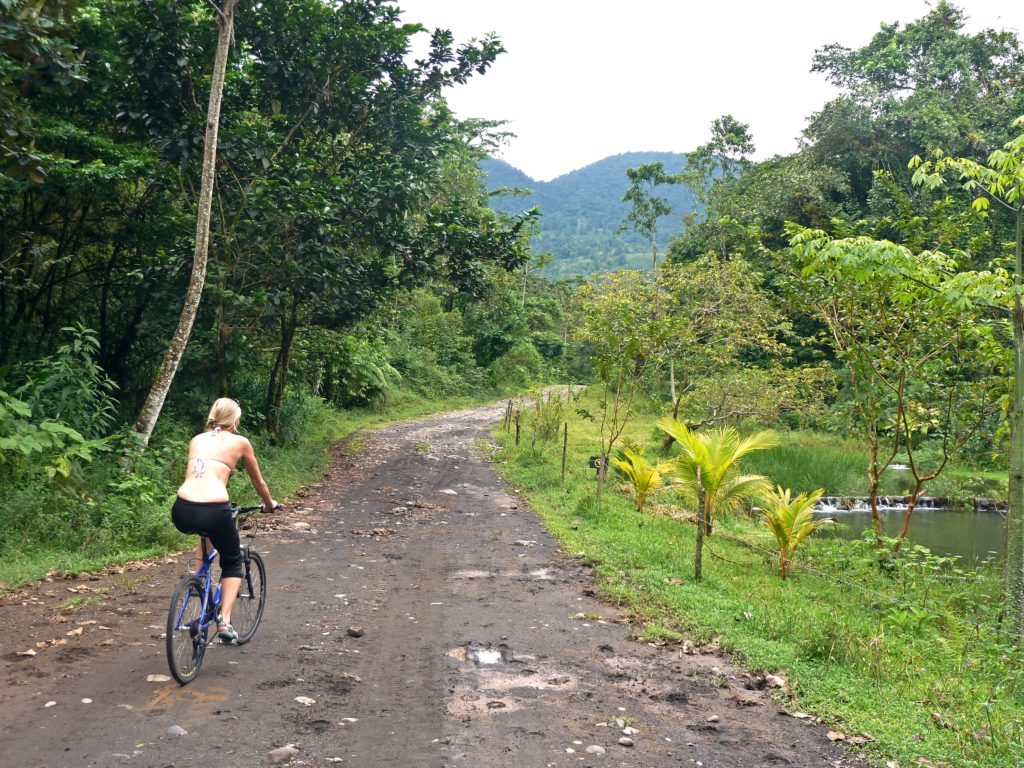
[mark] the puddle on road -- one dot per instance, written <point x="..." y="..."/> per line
<point x="471" y="574"/>
<point x="483" y="654"/>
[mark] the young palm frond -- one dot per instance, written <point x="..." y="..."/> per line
<point x="707" y="470"/>
<point x="643" y="478"/>
<point x="716" y="453"/>
<point x="791" y="521"/>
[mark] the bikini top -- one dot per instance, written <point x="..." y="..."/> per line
<point x="199" y="468"/>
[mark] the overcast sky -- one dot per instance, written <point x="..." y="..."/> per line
<point x="585" y="79"/>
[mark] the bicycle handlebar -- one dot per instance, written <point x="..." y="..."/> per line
<point x="237" y="512"/>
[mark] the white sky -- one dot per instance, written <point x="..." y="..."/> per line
<point x="585" y="79"/>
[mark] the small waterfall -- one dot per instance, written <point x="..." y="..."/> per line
<point x="844" y="504"/>
<point x="832" y="505"/>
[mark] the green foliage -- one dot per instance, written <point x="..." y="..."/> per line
<point x="30" y="449"/>
<point x="832" y="632"/>
<point x="516" y="369"/>
<point x="643" y="479"/>
<point x="69" y="385"/>
<point x="791" y="520"/>
<point x="707" y="467"/>
<point x="34" y="56"/>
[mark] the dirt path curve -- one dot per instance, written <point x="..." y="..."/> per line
<point x="471" y="655"/>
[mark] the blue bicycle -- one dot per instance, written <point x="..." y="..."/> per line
<point x="196" y="603"/>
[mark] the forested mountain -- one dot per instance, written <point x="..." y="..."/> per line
<point x="581" y="211"/>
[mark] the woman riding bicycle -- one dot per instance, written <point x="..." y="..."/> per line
<point x="202" y="505"/>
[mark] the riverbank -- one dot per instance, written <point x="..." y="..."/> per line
<point x="902" y="656"/>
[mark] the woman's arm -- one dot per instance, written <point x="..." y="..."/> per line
<point x="253" y="468"/>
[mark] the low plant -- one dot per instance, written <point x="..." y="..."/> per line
<point x="642" y="478"/>
<point x="791" y="520"/>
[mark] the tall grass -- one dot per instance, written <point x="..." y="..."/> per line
<point x="804" y="461"/>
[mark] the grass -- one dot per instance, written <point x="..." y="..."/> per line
<point x="808" y="460"/>
<point x="28" y="556"/>
<point x="877" y="647"/>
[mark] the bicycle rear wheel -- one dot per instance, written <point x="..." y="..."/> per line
<point x="252" y="595"/>
<point x="186" y="634"/>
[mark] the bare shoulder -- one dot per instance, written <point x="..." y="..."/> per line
<point x="243" y="443"/>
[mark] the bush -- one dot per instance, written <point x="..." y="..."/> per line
<point x="346" y="369"/>
<point x="70" y="386"/>
<point x="517" y="368"/>
<point x="299" y="411"/>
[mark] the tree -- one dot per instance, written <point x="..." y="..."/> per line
<point x="918" y="343"/>
<point x="791" y="521"/>
<point x="722" y="157"/>
<point x="614" y="322"/>
<point x="717" y="318"/>
<point x="1001" y="180"/>
<point x="646" y="207"/>
<point x="707" y="470"/>
<point x="928" y="84"/>
<point x="644" y="478"/>
<point x="34" y="55"/>
<point x="150" y="412"/>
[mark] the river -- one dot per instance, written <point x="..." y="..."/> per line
<point x="974" y="536"/>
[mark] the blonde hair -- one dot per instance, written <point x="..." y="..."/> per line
<point x="225" y="414"/>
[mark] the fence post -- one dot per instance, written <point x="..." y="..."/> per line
<point x="565" y="448"/>
<point x="519" y="416"/>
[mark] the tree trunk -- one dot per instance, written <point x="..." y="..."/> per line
<point x="698" y="554"/>
<point x="905" y="527"/>
<point x="176" y="349"/>
<point x="279" y="375"/>
<point x="873" y="483"/>
<point x="1015" y="513"/>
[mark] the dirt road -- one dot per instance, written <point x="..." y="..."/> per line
<point x="482" y="646"/>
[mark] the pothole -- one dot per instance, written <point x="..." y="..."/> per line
<point x="471" y="574"/>
<point x="483" y="654"/>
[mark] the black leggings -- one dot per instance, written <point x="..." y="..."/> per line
<point x="213" y="520"/>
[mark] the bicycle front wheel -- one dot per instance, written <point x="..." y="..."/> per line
<point x="248" y="610"/>
<point x="186" y="634"/>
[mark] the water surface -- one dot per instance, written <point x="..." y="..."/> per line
<point x="974" y="536"/>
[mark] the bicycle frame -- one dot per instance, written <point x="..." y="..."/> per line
<point x="211" y="596"/>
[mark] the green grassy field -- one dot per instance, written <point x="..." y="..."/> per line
<point x="906" y="650"/>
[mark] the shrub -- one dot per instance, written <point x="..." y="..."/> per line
<point x="70" y="386"/>
<point x="516" y="368"/>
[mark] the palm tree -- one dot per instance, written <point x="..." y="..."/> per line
<point x="707" y="469"/>
<point x="791" y="521"/>
<point x="644" y="479"/>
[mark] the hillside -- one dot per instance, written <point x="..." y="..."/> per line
<point x="580" y="212"/>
